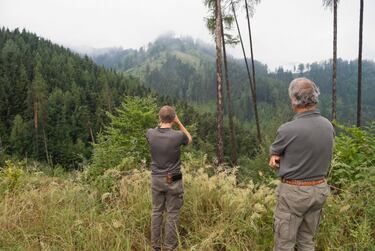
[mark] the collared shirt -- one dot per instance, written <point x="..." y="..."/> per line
<point x="165" y="144"/>
<point x="305" y="145"/>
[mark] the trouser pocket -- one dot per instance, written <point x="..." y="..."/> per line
<point x="175" y="195"/>
<point x="282" y="225"/>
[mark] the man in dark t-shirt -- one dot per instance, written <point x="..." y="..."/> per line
<point x="166" y="178"/>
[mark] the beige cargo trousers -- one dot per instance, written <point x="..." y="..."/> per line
<point x="169" y="198"/>
<point x="297" y="215"/>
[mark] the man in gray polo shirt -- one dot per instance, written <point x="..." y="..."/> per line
<point x="166" y="178"/>
<point x="301" y="154"/>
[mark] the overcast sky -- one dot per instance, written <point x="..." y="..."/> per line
<point x="284" y="31"/>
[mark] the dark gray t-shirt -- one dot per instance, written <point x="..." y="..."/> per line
<point x="165" y="146"/>
<point x="305" y="145"/>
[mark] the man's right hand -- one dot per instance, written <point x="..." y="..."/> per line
<point x="177" y="120"/>
<point x="274" y="162"/>
<point x="182" y="128"/>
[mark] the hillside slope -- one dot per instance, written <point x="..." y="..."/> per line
<point x="54" y="103"/>
<point x="185" y="69"/>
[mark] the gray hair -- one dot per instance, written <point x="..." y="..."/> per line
<point x="303" y="92"/>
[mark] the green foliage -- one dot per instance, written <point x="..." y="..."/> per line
<point x="52" y="101"/>
<point x="124" y="139"/>
<point x="10" y="176"/>
<point x="18" y="135"/>
<point x="185" y="69"/>
<point x="354" y="156"/>
<point x="349" y="219"/>
<point x="255" y="169"/>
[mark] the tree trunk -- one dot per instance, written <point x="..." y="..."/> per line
<point x="334" y="60"/>
<point x="36" y="143"/>
<point x="219" y="86"/>
<point x="247" y="67"/>
<point x="45" y="145"/>
<point x="91" y="135"/>
<point x="1" y="146"/>
<point x="359" y="95"/>
<point x="233" y="141"/>
<point x="36" y="115"/>
<point x="253" y="75"/>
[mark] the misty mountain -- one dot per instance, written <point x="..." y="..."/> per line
<point x="94" y="52"/>
<point x="180" y="67"/>
<point x="185" y="69"/>
<point x="54" y="103"/>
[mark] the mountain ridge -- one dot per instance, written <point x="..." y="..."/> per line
<point x="185" y="70"/>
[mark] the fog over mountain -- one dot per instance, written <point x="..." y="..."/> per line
<point x="284" y="32"/>
<point x="92" y="51"/>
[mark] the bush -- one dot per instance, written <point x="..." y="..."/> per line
<point x="125" y="137"/>
<point x="354" y="159"/>
<point x="10" y="176"/>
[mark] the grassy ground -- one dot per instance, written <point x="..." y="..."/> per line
<point x="42" y="212"/>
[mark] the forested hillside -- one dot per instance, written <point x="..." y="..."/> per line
<point x="53" y="103"/>
<point x="184" y="68"/>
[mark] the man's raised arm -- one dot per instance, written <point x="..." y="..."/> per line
<point x="183" y="129"/>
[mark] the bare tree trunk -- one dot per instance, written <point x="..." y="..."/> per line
<point x="334" y="60"/>
<point x="233" y="141"/>
<point x="253" y="75"/>
<point x="1" y="146"/>
<point x="247" y="68"/>
<point x="92" y="135"/>
<point x="36" y="143"/>
<point x="36" y="115"/>
<point x="45" y="145"/>
<point x="359" y="95"/>
<point x="219" y="86"/>
<point x="2" y="150"/>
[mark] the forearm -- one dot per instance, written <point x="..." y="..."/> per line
<point x="185" y="131"/>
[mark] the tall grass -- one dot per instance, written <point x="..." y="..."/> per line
<point x="40" y="212"/>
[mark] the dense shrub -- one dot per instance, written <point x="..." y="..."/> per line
<point x="10" y="176"/>
<point x="125" y="137"/>
<point x="354" y="159"/>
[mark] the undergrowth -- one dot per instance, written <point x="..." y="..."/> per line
<point x="44" y="209"/>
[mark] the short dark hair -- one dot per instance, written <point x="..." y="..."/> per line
<point x="167" y="114"/>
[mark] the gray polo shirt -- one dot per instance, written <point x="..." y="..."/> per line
<point x="165" y="144"/>
<point x="305" y="145"/>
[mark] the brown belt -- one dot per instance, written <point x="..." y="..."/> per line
<point x="303" y="182"/>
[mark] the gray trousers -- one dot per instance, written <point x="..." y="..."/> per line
<point x="167" y="197"/>
<point x="297" y="216"/>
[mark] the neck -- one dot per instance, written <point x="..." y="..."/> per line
<point x="304" y="109"/>
<point x="165" y="125"/>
